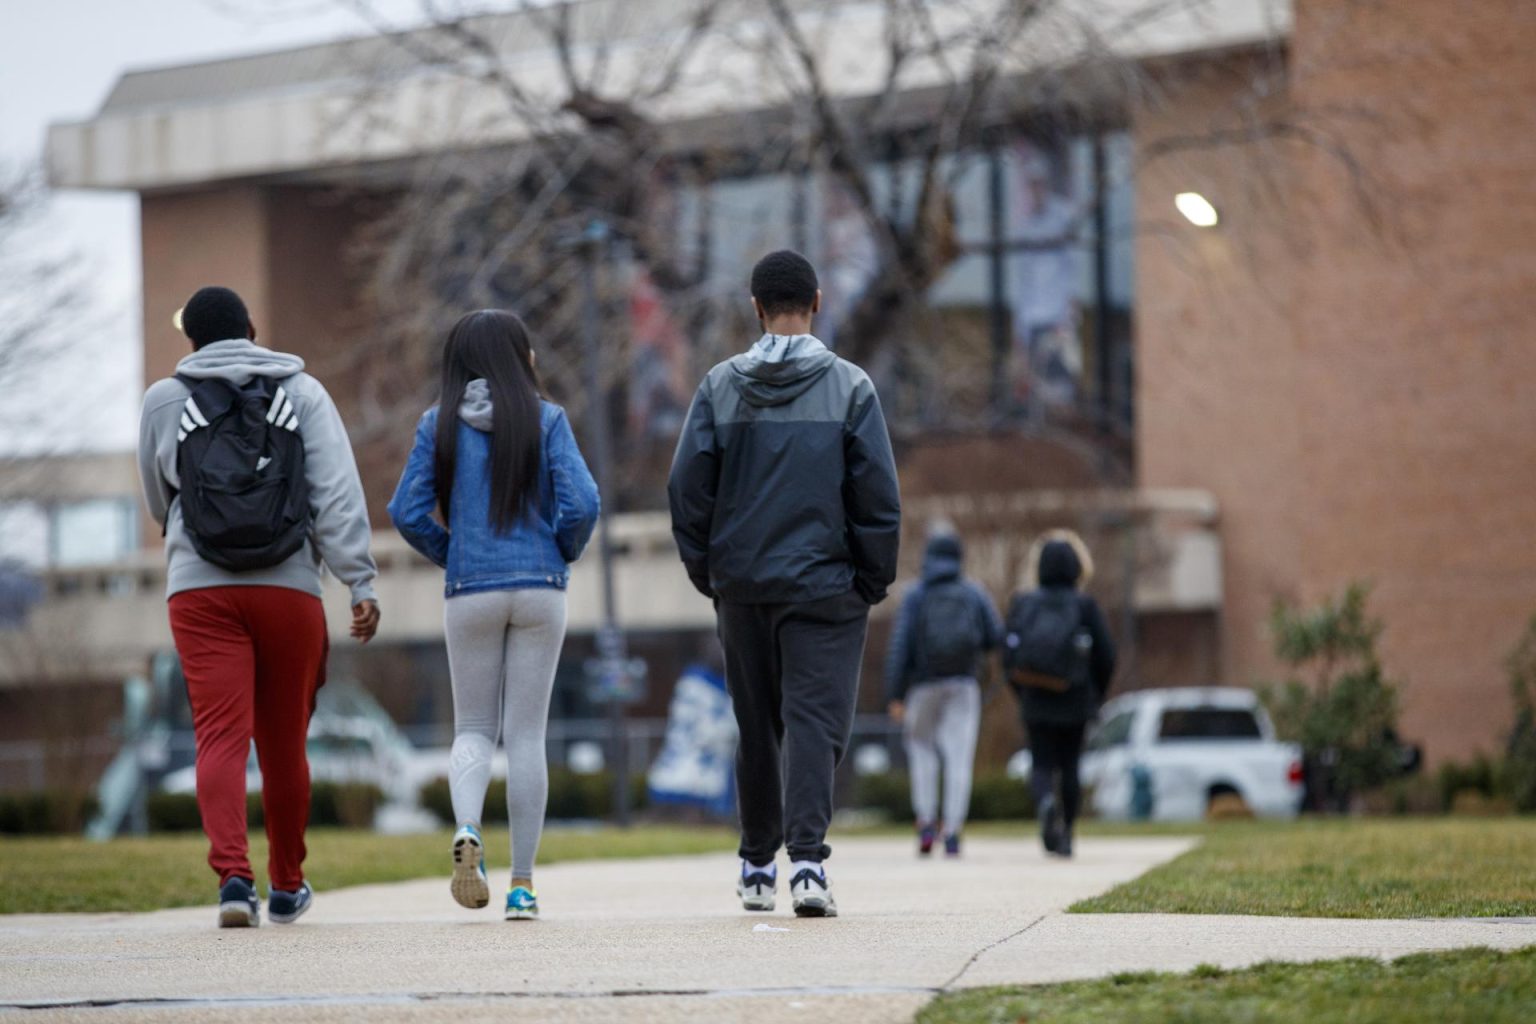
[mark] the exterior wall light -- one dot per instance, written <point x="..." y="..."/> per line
<point x="1196" y="209"/>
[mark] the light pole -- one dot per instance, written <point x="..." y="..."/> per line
<point x="614" y="677"/>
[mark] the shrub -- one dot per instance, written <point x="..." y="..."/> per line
<point x="1416" y="795"/>
<point x="571" y="796"/>
<point x="1338" y="704"/>
<point x="1480" y="778"/>
<point x="344" y="804"/>
<point x="1520" y="773"/>
<point x="53" y="811"/>
<point x="888" y="795"/>
<point x="994" y="797"/>
<point x="173" y="812"/>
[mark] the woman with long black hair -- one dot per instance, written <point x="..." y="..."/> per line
<point x="501" y="468"/>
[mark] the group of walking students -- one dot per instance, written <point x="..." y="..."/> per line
<point x="786" y="513"/>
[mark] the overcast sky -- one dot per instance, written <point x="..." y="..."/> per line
<point x="58" y="61"/>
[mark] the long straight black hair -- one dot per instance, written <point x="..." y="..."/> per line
<point x="492" y="345"/>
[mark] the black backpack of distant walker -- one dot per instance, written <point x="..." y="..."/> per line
<point x="240" y="456"/>
<point x="949" y="631"/>
<point x="1046" y="645"/>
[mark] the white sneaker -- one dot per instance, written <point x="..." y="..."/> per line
<point x="812" y="894"/>
<point x="758" y="889"/>
<point x="469" y="886"/>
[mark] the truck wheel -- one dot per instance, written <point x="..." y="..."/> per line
<point x="1226" y="804"/>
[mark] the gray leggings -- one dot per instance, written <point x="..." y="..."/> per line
<point x="503" y="646"/>
<point x="942" y="721"/>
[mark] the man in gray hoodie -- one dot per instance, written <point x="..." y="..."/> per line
<point x="786" y="511"/>
<point x="253" y="642"/>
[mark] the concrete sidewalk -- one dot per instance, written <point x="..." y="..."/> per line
<point x="664" y="940"/>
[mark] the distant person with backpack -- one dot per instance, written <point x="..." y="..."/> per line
<point x="786" y="512"/>
<point x="247" y="466"/>
<point x="499" y="465"/>
<point x="946" y="626"/>
<point x="1059" y="659"/>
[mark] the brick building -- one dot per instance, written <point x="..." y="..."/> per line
<point x="1343" y="362"/>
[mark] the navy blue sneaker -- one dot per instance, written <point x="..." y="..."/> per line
<point x="288" y="907"/>
<point x="238" y="906"/>
<point x="925" y="837"/>
<point x="952" y="844"/>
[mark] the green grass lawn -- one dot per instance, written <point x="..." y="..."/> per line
<point x="1432" y="867"/>
<point x="67" y="873"/>
<point x="1468" y="986"/>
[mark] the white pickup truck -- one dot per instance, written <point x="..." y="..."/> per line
<point x="1169" y="755"/>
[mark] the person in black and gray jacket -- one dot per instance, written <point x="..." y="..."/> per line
<point x="946" y="626"/>
<point x="786" y="512"/>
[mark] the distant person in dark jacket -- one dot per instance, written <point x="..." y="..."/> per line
<point x="946" y="626"/>
<point x="786" y="513"/>
<point x="1060" y="660"/>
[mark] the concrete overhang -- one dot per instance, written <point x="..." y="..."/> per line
<point x="366" y="101"/>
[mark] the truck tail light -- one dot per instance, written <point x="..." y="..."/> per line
<point x="1294" y="774"/>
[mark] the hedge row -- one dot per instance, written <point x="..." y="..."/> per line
<point x="49" y="812"/>
<point x="994" y="797"/>
<point x="343" y="804"/>
<point x="571" y="796"/>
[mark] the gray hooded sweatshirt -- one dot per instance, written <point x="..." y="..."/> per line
<point x="339" y="529"/>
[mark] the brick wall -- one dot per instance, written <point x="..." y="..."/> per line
<point x="1353" y="378"/>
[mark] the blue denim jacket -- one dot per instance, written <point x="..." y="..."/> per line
<point x="535" y="553"/>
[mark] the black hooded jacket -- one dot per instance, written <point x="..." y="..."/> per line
<point x="783" y="488"/>
<point x="1060" y="570"/>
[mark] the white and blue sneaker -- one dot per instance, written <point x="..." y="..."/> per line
<point x="811" y="892"/>
<point x="287" y="907"/>
<point x="469" y="886"/>
<point x="757" y="888"/>
<point x="522" y="904"/>
<point x="238" y="905"/>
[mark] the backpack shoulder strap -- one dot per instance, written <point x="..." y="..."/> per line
<point x="208" y="399"/>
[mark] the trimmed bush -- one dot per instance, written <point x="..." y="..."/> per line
<point x="173" y="812"/>
<point x="994" y="797"/>
<point x="571" y="796"/>
<point x="345" y="805"/>
<point x="1480" y="777"/>
<point x="53" y="812"/>
<point x="889" y="795"/>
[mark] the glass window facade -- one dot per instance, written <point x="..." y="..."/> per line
<point x="1030" y="319"/>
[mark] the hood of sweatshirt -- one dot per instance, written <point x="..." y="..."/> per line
<point x="475" y="409"/>
<point x="780" y="368"/>
<point x="237" y="361"/>
<point x="943" y="559"/>
<point x="1059" y="565"/>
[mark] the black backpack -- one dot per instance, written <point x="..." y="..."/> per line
<point x="240" y="456"/>
<point x="949" y="631"/>
<point x="1047" y="646"/>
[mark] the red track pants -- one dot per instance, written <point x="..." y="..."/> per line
<point x="253" y="658"/>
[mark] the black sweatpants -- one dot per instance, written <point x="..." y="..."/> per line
<point x="1056" y="750"/>
<point x="793" y="674"/>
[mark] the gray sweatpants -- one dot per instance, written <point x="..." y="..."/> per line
<point x="942" y="720"/>
<point x="503" y="646"/>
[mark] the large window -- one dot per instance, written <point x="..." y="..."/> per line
<point x="1208" y="724"/>
<point x="41" y="535"/>
<point x="1029" y="319"/>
